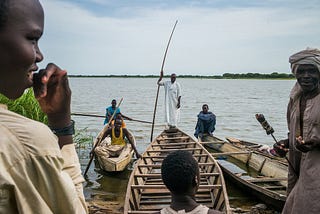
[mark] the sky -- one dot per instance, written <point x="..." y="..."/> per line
<point x="212" y="37"/>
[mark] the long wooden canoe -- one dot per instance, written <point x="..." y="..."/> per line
<point x="146" y="192"/>
<point x="113" y="164"/>
<point x="259" y="174"/>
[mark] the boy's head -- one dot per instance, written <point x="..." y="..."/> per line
<point x="113" y="103"/>
<point x="21" y="26"/>
<point x="180" y="173"/>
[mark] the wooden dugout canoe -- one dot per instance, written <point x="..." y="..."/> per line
<point x="260" y="174"/>
<point x="113" y="164"/>
<point x="146" y="192"/>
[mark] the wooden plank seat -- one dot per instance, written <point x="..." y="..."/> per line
<point x="230" y="153"/>
<point x="207" y="187"/>
<point x="173" y="144"/>
<point x="158" y="175"/>
<point x="173" y="138"/>
<point x="216" y="142"/>
<point x="163" y="156"/>
<point x="172" y="150"/>
<point x="159" y="165"/>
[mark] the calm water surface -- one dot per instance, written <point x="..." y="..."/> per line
<point x="235" y="103"/>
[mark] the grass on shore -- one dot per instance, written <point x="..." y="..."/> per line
<point x="28" y="106"/>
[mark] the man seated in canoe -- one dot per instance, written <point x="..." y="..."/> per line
<point x="118" y="134"/>
<point x="180" y="174"/>
<point x="123" y="125"/>
<point x="206" y="122"/>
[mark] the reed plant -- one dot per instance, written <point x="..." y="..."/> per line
<point x="26" y="105"/>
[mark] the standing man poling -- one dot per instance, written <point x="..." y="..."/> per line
<point x="172" y="100"/>
<point x="303" y="143"/>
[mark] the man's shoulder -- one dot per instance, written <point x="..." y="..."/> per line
<point x="124" y="129"/>
<point x="211" y="211"/>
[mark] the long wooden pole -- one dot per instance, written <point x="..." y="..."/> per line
<point x="95" y="115"/>
<point x="162" y="66"/>
<point x="99" y="138"/>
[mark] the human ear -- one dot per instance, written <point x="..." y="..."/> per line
<point x="195" y="181"/>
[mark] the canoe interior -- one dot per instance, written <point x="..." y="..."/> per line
<point x="113" y="164"/>
<point x="146" y="192"/>
<point x="261" y="175"/>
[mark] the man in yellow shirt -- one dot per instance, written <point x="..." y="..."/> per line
<point x="118" y="135"/>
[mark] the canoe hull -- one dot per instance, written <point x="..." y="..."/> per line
<point x="146" y="192"/>
<point x="271" y="188"/>
<point x="116" y="164"/>
<point x="113" y="164"/>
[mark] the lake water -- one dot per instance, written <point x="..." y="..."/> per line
<point x="235" y="103"/>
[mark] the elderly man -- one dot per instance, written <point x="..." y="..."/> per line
<point x="303" y="143"/>
<point x="172" y="100"/>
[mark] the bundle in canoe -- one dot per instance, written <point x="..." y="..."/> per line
<point x="112" y="159"/>
<point x="146" y="192"/>
<point x="259" y="174"/>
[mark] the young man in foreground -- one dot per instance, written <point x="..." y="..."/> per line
<point x="40" y="171"/>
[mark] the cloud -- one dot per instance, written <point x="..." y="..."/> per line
<point x="207" y="41"/>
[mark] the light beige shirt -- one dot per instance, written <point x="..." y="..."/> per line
<point x="201" y="209"/>
<point x="35" y="175"/>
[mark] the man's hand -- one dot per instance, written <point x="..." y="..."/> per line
<point x="160" y="78"/>
<point x="138" y="155"/>
<point x="303" y="146"/>
<point x="51" y="88"/>
<point x="281" y="147"/>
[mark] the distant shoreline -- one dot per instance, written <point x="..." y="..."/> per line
<point x="274" y="75"/>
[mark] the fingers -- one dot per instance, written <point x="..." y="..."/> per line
<point x="300" y="140"/>
<point x="38" y="87"/>
<point x="48" y="77"/>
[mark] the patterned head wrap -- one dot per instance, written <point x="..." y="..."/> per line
<point x="308" y="56"/>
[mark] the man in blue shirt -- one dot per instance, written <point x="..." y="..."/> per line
<point x="110" y="110"/>
<point x="206" y="122"/>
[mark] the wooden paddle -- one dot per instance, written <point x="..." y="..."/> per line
<point x="99" y="138"/>
<point x="161" y="71"/>
<point x="94" y="115"/>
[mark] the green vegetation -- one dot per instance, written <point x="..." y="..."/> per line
<point x="82" y="140"/>
<point x="26" y="105"/>
<point x="273" y="75"/>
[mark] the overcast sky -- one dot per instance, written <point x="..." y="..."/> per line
<point x="212" y="37"/>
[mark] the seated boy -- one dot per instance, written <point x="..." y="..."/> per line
<point x="206" y="122"/>
<point x="180" y="174"/>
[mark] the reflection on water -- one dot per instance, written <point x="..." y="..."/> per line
<point x="235" y="103"/>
